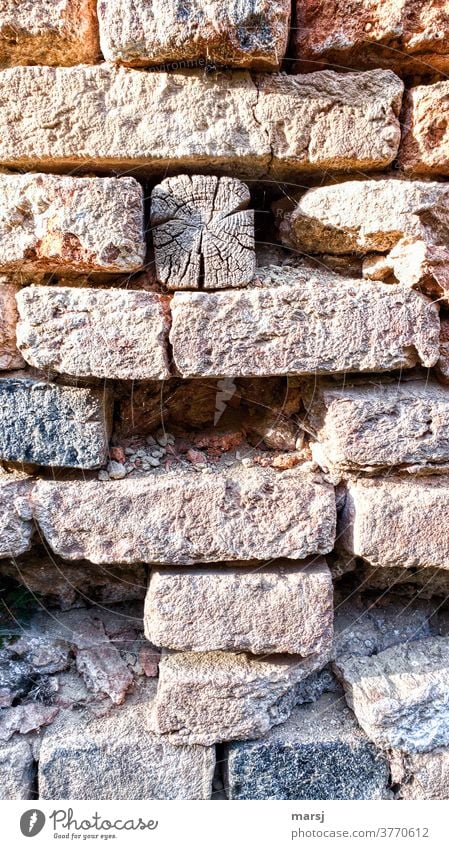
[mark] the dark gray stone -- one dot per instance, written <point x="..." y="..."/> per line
<point x="319" y="753"/>
<point x="53" y="425"/>
<point x="15" y="681"/>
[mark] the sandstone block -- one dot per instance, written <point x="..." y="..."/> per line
<point x="376" y="425"/>
<point x="423" y="266"/>
<point x="48" y="33"/>
<point x="252" y="34"/>
<point x="359" y="216"/>
<point x="401" y="696"/>
<point x="17" y="770"/>
<point x="406" y="35"/>
<point x="10" y="357"/>
<point x="183" y="518"/>
<point x="421" y="776"/>
<point x="53" y="425"/>
<point x="397" y="522"/>
<point x="111" y="333"/>
<point x="16" y="527"/>
<point x="233" y="123"/>
<point x="71" y="224"/>
<point x="207" y="697"/>
<point x="203" y="232"/>
<point x="425" y="142"/>
<point x="320" y="753"/>
<point x="117" y="757"/>
<point x="294" y="330"/>
<point x="284" y="607"/>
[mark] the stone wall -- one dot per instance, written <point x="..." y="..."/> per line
<point x="224" y="401"/>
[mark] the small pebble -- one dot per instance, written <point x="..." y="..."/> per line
<point x="247" y="462"/>
<point x="116" y="470"/>
<point x="129" y="452"/>
<point x="150" y="440"/>
<point x="103" y="475"/>
<point x="162" y="440"/>
<point x="153" y="461"/>
<point x="146" y="467"/>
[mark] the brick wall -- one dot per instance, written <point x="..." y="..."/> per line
<point x="224" y="402"/>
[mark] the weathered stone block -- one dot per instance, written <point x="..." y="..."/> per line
<point x="203" y="232"/>
<point x="406" y="35"/>
<point x="397" y="522"/>
<point x="117" y="757"/>
<point x="284" y="607"/>
<point x="379" y="425"/>
<point x="17" y="770"/>
<point x="401" y="696"/>
<point x="442" y="366"/>
<point x="314" y="328"/>
<point x="421" y="776"/>
<point x="359" y="216"/>
<point x="16" y="526"/>
<point x="53" y="425"/>
<point x="320" y="753"/>
<point x="234" y="123"/>
<point x="71" y="224"/>
<point x="425" y="142"/>
<point x="183" y="518"/>
<point x="208" y="697"/>
<point x="252" y="34"/>
<point x="48" y="33"/>
<point x="10" y="357"/>
<point x="111" y="333"/>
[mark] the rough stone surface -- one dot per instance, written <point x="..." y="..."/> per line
<point x="423" y="266"/>
<point x="71" y="224"/>
<point x="184" y="518"/>
<point x="203" y="232"/>
<point x="233" y="123"/>
<point x="284" y="607"/>
<point x="320" y="753"/>
<point x="359" y="216"/>
<point x="10" y="357"/>
<point x="68" y="585"/>
<point x="294" y="330"/>
<point x="442" y="366"/>
<point x="249" y="34"/>
<point x="25" y="718"/>
<point x="401" y="696"/>
<point x="208" y="697"/>
<point x="409" y="36"/>
<point x="53" y="425"/>
<point x="117" y="757"/>
<point x="375" y="426"/>
<point x="397" y="522"/>
<point x="16" y="527"/>
<point x="110" y="333"/>
<point x="64" y="32"/>
<point x="17" y="770"/>
<point x="425" y="141"/>
<point x="421" y="776"/>
<point x="363" y="628"/>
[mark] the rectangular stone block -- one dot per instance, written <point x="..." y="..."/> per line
<point x="319" y="753"/>
<point x="401" y="696"/>
<point x="409" y="36"/>
<point x="209" y="697"/>
<point x="376" y="425"/>
<point x="117" y="757"/>
<point x="315" y="327"/>
<point x="248" y="34"/>
<point x="283" y="607"/>
<point x="16" y="526"/>
<point x="10" y="357"/>
<point x="103" y="118"/>
<point x="183" y="518"/>
<point x="111" y="333"/>
<point x="397" y="521"/>
<point x="48" y="32"/>
<point x="362" y="216"/>
<point x="425" y="142"/>
<point x="53" y="425"/>
<point x="70" y="224"/>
